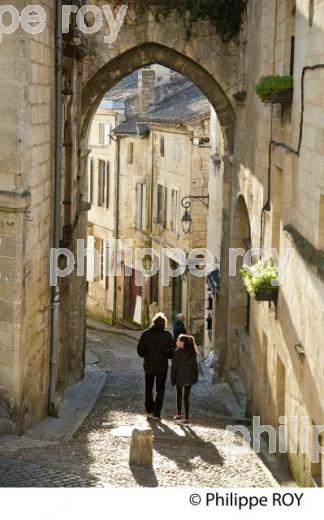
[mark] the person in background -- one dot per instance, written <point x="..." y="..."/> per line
<point x="156" y="346"/>
<point x="184" y="373"/>
<point x="179" y="326"/>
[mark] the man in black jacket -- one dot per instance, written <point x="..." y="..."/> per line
<point x="179" y="326"/>
<point x="156" y="346"/>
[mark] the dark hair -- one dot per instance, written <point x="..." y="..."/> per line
<point x="189" y="344"/>
<point x="159" y="322"/>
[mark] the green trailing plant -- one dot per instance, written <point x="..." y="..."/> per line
<point x="269" y="84"/>
<point x="258" y="278"/>
<point x="224" y="15"/>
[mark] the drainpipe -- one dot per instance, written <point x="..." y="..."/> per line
<point x="52" y="411"/>
<point x="117" y="190"/>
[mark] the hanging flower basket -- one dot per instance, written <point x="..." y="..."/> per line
<point x="260" y="279"/>
<point x="281" y="96"/>
<point x="267" y="295"/>
<point x="275" y="89"/>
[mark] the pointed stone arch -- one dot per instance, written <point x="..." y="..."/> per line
<point x="141" y="56"/>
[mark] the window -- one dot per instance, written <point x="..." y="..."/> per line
<point x="165" y="208"/>
<point x="159" y="214"/>
<point x="174" y="211"/>
<point x="104" y="134"/>
<point x="130" y="153"/>
<point x="91" y="181"/>
<point x="104" y="263"/>
<point x="141" y="216"/>
<point x="154" y="288"/>
<point x="107" y="184"/>
<point x="311" y="8"/>
<point x="290" y="36"/>
<point x="292" y="55"/>
<point x="103" y="184"/>
<point x="161" y="205"/>
<point x="162" y="146"/>
<point x="321" y="224"/>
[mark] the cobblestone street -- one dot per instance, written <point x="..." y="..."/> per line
<point x="98" y="453"/>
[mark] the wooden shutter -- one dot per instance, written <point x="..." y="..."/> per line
<point x="160" y="204"/>
<point x="91" y="259"/>
<point x="130" y="153"/>
<point x="101" y="133"/>
<point x="91" y="181"/>
<point x="138" y="206"/>
<point x="162" y="146"/>
<point x="107" y="138"/>
<point x="101" y="183"/>
<point x="165" y="208"/>
<point x="107" y="194"/>
<point x="144" y="212"/>
<point x="105" y="263"/>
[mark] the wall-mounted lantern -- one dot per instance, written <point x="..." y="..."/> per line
<point x="186" y="204"/>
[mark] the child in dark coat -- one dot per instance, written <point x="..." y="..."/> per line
<point x="184" y="373"/>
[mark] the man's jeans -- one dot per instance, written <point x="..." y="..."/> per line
<point x="154" y="405"/>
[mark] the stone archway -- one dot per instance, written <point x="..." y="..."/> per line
<point x="147" y="37"/>
<point x="146" y="54"/>
<point x="202" y="57"/>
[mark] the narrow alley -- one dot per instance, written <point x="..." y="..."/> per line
<point x="98" y="453"/>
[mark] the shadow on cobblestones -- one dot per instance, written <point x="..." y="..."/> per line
<point x="170" y="444"/>
<point x="98" y="454"/>
<point x="144" y="477"/>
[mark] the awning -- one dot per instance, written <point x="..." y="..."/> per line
<point x="213" y="280"/>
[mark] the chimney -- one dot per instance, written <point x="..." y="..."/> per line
<point x="146" y="90"/>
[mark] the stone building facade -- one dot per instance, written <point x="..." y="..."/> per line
<point x="102" y="165"/>
<point x="271" y="194"/>
<point x="159" y="163"/>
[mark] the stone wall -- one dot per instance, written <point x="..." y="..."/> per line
<point x="278" y="380"/>
<point x="27" y="108"/>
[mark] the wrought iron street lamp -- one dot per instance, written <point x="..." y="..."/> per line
<point x="186" y="204"/>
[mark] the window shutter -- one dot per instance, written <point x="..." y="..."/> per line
<point x="91" y="180"/>
<point x="105" y="260"/>
<point x="91" y="259"/>
<point x="172" y="211"/>
<point x="101" y="183"/>
<point x="107" y="138"/>
<point x="107" y="195"/>
<point x="144" y="214"/>
<point x="176" y="211"/>
<point x="155" y="204"/>
<point x="160" y="204"/>
<point x="162" y="146"/>
<point x="165" y="208"/>
<point x="130" y="153"/>
<point x="138" y="205"/>
<point x="101" y="133"/>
